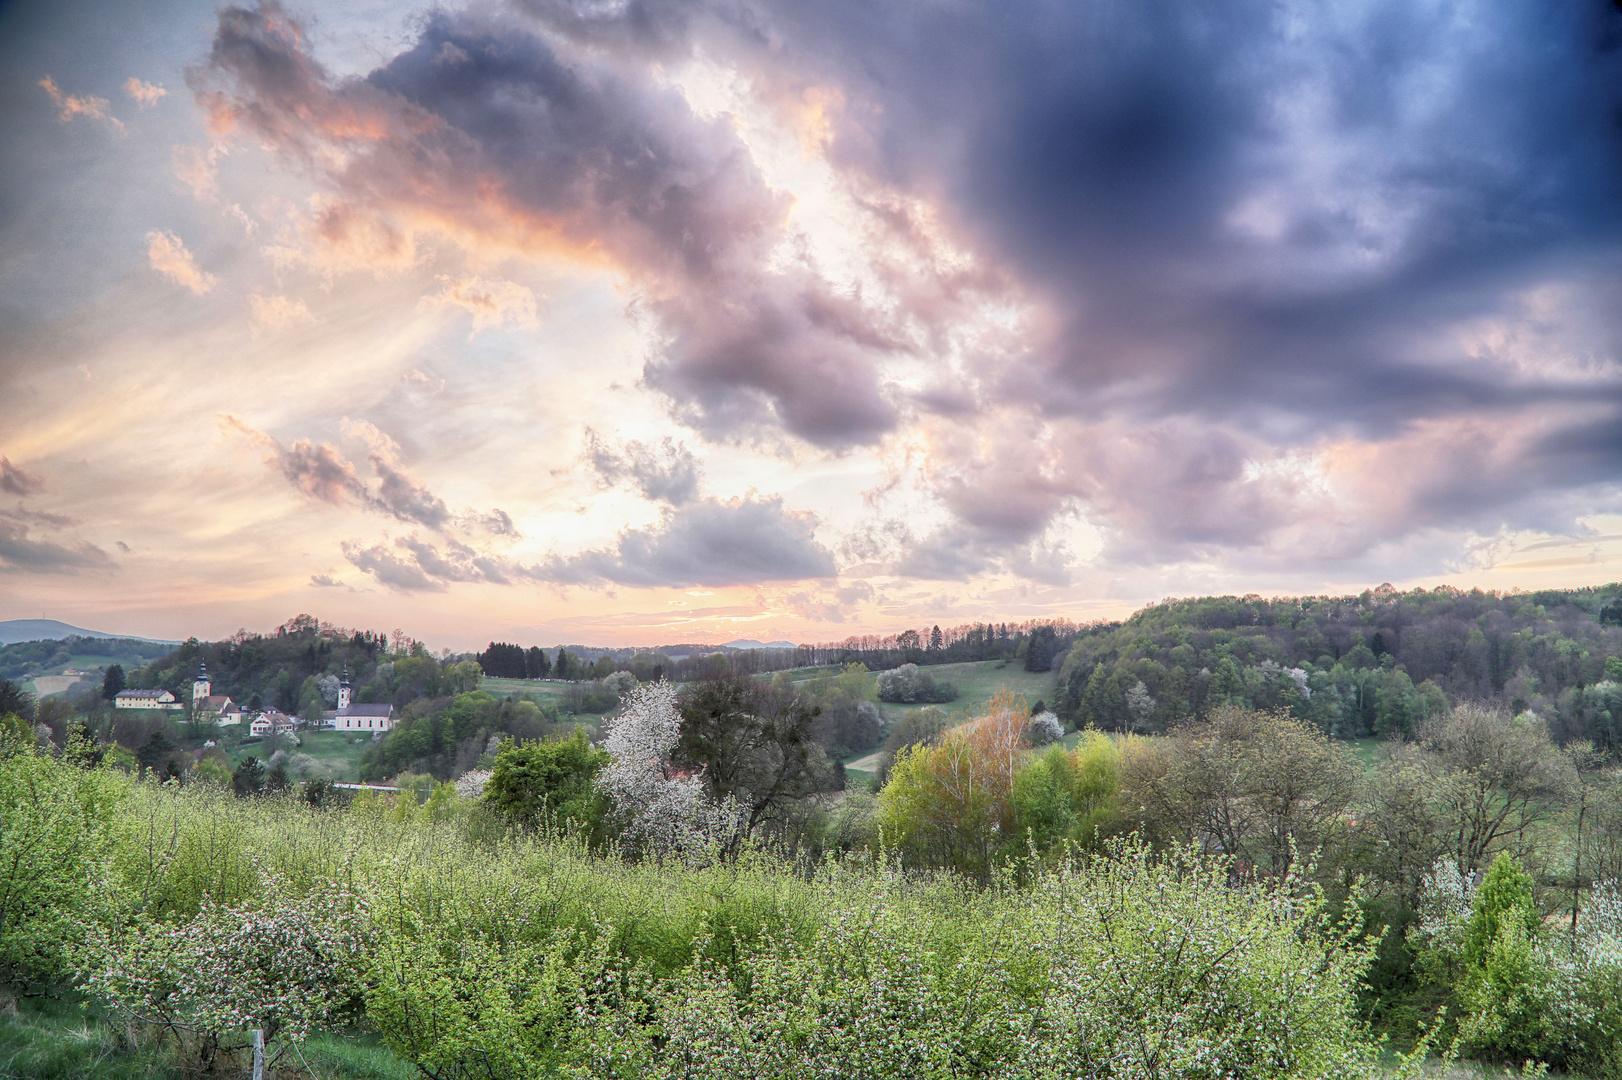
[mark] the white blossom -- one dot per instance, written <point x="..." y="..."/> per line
<point x="662" y="811"/>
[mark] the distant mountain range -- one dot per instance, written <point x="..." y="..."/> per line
<point x="751" y="643"/>
<point x="15" y="630"/>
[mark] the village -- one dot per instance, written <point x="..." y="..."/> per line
<point x="207" y="707"/>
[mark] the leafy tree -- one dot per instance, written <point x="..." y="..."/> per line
<point x="754" y="744"/>
<point x="549" y="782"/>
<point x="953" y="803"/>
<point x="1494" y="775"/>
<point x="1257" y="786"/>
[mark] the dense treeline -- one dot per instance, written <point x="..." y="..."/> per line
<point x="1374" y="664"/>
<point x="24" y="658"/>
<point x="271" y="670"/>
<point x="1037" y="642"/>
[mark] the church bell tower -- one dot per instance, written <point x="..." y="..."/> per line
<point x="201" y="688"/>
<point x="343" y="690"/>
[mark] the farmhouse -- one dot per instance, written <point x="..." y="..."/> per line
<point x="271" y="722"/>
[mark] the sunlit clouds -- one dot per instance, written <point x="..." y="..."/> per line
<point x="169" y="257"/>
<point x="556" y="321"/>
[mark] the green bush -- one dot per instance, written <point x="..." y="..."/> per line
<point x="57" y="829"/>
<point x="550" y="783"/>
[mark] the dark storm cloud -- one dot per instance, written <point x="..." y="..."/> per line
<point x="518" y="139"/>
<point x="1256" y="227"/>
<point x="1384" y="233"/>
<point x="710" y="543"/>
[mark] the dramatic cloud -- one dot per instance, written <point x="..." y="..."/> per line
<point x="145" y="93"/>
<point x="709" y="542"/>
<point x="324" y="581"/>
<point x="664" y="473"/>
<point x="322" y="472"/>
<point x="495" y="134"/>
<point x="17" y="481"/>
<point x="70" y="106"/>
<point x="169" y="257"/>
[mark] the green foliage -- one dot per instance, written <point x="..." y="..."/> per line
<point x="1505" y="898"/>
<point x="1379" y="663"/>
<point x="550" y="783"/>
<point x="58" y="824"/>
<point x="1129" y="966"/>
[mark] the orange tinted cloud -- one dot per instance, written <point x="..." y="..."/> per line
<point x="70" y="106"/>
<point x="145" y="94"/>
<point x="169" y="257"/>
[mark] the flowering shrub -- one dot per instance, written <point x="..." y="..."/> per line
<point x="287" y="966"/>
<point x="470" y="785"/>
<point x="1043" y="728"/>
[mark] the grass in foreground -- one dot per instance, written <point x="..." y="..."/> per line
<point x="72" y="1038"/>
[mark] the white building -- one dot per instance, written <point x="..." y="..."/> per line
<point x="348" y="716"/>
<point x="206" y="705"/>
<point x="145" y="699"/>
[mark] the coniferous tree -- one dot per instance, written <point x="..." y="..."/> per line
<point x="537" y="665"/>
<point x="112" y="682"/>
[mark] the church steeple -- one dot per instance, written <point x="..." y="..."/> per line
<point x="201" y="688"/>
<point x="344" y="693"/>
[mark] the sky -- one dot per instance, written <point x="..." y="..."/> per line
<point x="621" y="322"/>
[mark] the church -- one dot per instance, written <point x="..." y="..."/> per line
<point x="348" y="716"/>
<point x="207" y="705"/>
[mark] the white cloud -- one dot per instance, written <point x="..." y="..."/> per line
<point x="146" y="94"/>
<point x="278" y="312"/>
<point x="493" y="303"/>
<point x="169" y="257"/>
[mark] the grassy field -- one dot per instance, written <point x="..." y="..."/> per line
<point x="337" y="753"/>
<point x="541" y="691"/>
<point x="977" y="682"/>
<point x="80" y="663"/>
